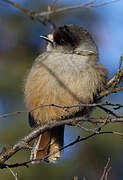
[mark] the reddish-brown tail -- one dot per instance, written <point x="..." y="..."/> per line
<point x="48" y="143"/>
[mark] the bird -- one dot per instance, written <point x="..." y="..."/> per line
<point x="66" y="73"/>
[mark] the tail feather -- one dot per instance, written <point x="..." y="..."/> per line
<point x="47" y="144"/>
<point x="57" y="141"/>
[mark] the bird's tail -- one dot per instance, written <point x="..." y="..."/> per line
<point x="47" y="146"/>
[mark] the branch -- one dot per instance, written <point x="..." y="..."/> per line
<point x="117" y="78"/>
<point x="31" y="14"/>
<point x="89" y="4"/>
<point x="100" y="105"/>
<point x="23" y="143"/>
<point x="51" y="10"/>
<point x="2" y="165"/>
<point x="26" y="11"/>
<point x="110" y="91"/>
<point x="113" y="82"/>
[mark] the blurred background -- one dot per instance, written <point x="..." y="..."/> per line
<point x="20" y="44"/>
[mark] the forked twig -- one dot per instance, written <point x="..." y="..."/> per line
<point x="106" y="170"/>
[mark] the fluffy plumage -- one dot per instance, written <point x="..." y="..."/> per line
<point x="67" y="73"/>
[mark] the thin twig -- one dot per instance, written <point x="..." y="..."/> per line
<point x="120" y="63"/>
<point x="11" y="114"/>
<point x="117" y="78"/>
<point x="2" y="166"/>
<point x="106" y="170"/>
<point x="34" y="15"/>
<point x="51" y="7"/>
<point x="108" y="111"/>
<point x="89" y="4"/>
<point x="78" y="139"/>
<point x="110" y="91"/>
<point x="115" y="107"/>
<point x="103" y="4"/>
<point x="95" y="130"/>
<point x="78" y="105"/>
<point x="15" y="175"/>
<point x="30" y="14"/>
<point x="26" y="11"/>
<point x="22" y="144"/>
<point x="107" y="173"/>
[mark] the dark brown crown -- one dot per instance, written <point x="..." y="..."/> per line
<point x="70" y="35"/>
